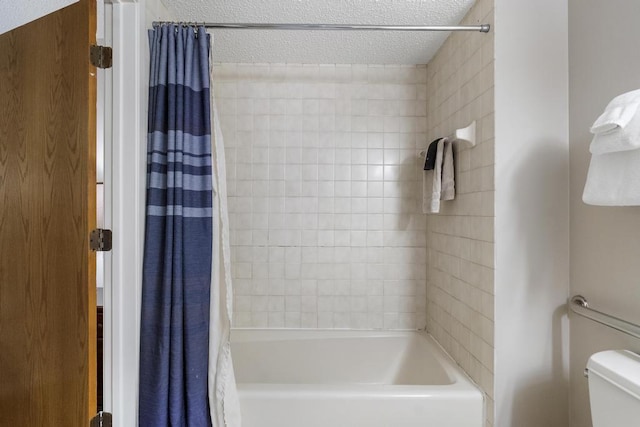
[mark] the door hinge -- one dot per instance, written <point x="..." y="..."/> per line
<point x="100" y="240"/>
<point x="101" y="56"/>
<point x="103" y="419"/>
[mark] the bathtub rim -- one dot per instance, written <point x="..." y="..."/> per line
<point x="462" y="385"/>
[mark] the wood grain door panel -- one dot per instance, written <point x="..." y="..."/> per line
<point x="47" y="208"/>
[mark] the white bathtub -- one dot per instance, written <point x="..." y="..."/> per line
<point x="320" y="378"/>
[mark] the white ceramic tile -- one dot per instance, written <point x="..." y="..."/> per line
<point x="308" y="150"/>
<point x="459" y="299"/>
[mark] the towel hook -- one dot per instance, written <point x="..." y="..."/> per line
<point x="466" y="136"/>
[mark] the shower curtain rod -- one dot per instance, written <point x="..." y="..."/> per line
<point x="483" y="28"/>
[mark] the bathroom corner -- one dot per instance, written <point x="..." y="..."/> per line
<point x="460" y="239"/>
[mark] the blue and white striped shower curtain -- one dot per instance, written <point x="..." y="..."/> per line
<point x="183" y="219"/>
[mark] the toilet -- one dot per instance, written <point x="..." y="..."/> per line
<point x="614" y="388"/>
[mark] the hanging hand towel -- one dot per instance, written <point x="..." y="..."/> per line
<point x="432" y="183"/>
<point x="448" y="174"/>
<point x="613" y="179"/>
<point x="430" y="156"/>
<point x="618" y="128"/>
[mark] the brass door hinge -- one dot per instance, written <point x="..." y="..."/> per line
<point x="100" y="240"/>
<point x="101" y="56"/>
<point x="103" y="419"/>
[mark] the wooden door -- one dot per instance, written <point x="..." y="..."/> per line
<point x="47" y="208"/>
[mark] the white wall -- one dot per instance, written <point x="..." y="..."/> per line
<point x="605" y="241"/>
<point x="532" y="212"/>
<point x="17" y="13"/>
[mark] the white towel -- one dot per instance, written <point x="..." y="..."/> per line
<point x="432" y="183"/>
<point x="613" y="179"/>
<point x="618" y="127"/>
<point x="618" y="112"/>
<point x="448" y="174"/>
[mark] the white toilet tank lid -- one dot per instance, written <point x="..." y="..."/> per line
<point x="619" y="367"/>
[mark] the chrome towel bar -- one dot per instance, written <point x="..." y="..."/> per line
<point x="580" y="306"/>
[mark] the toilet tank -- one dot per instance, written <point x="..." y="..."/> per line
<point x="614" y="388"/>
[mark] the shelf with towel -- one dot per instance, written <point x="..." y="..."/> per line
<point x="466" y="135"/>
<point x="614" y="171"/>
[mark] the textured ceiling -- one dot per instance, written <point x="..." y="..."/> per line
<point x="364" y="47"/>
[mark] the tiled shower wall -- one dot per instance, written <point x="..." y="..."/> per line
<point x="323" y="184"/>
<point x="460" y="240"/>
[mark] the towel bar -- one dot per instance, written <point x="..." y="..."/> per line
<point x="465" y="135"/>
<point x="580" y="306"/>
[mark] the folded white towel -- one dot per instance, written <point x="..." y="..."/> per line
<point x="618" y="112"/>
<point x="613" y="179"/>
<point x="448" y="173"/>
<point x="621" y="139"/>
<point x="618" y="128"/>
<point x="432" y="183"/>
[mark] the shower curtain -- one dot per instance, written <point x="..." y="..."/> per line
<point x="184" y="327"/>
<point x="223" y="395"/>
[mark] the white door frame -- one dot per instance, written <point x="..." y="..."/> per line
<point x="126" y="176"/>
